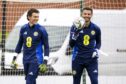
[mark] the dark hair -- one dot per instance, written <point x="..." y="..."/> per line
<point x="31" y="11"/>
<point x="88" y="8"/>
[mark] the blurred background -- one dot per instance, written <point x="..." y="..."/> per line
<point x="57" y="17"/>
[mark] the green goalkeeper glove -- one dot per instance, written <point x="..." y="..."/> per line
<point x="43" y="67"/>
<point x="14" y="65"/>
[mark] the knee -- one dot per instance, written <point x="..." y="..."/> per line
<point x="30" y="79"/>
<point x="94" y="81"/>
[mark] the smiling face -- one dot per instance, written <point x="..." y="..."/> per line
<point x="33" y="16"/>
<point x="33" y="19"/>
<point x="87" y="14"/>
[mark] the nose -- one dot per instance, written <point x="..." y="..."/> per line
<point x="37" y="18"/>
<point x="87" y="15"/>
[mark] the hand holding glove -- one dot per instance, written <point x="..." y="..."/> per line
<point x="78" y="26"/>
<point x="14" y="65"/>
<point x="79" y="23"/>
<point x="43" y="67"/>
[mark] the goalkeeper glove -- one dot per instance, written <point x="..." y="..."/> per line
<point x="43" y="67"/>
<point x="95" y="53"/>
<point x="14" y="65"/>
<point x="79" y="23"/>
<point x="78" y="26"/>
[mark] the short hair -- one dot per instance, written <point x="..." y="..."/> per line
<point x="88" y="8"/>
<point x="31" y="11"/>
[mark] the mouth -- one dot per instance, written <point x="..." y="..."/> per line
<point x="87" y="19"/>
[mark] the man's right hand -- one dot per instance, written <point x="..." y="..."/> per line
<point x="79" y="23"/>
<point x="14" y="65"/>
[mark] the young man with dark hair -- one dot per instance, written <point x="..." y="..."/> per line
<point x="86" y="42"/>
<point x="33" y="38"/>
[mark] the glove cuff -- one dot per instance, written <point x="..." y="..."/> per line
<point x="96" y="50"/>
<point x="14" y="58"/>
<point x="15" y="54"/>
<point x="45" y="60"/>
<point x="46" y="57"/>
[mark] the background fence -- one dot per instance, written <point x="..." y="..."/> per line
<point x="57" y="16"/>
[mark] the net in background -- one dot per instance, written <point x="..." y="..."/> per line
<point x="16" y="8"/>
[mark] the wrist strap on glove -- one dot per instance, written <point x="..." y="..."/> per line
<point x="45" y="62"/>
<point x="14" y="58"/>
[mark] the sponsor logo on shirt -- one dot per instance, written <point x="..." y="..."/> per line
<point x="25" y="33"/>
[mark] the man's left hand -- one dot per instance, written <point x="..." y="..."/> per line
<point x="42" y="68"/>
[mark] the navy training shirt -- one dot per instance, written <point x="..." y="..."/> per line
<point x="87" y="42"/>
<point x="33" y="39"/>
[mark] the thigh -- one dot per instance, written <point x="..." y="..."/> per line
<point x="92" y="69"/>
<point x="77" y="68"/>
<point x="32" y="73"/>
<point x="26" y="68"/>
<point x="33" y="69"/>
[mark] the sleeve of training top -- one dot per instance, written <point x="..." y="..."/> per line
<point x="20" y="42"/>
<point x="45" y="42"/>
<point x="98" y="38"/>
<point x="72" y="41"/>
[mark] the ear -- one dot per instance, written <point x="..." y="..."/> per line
<point x="28" y="17"/>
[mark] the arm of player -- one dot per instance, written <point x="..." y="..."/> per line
<point x="43" y="66"/>
<point x="98" y="43"/>
<point x="18" y="48"/>
<point x="98" y="39"/>
<point x="20" y="42"/>
<point x="77" y="26"/>
<point x="45" y="42"/>
<point x="74" y="33"/>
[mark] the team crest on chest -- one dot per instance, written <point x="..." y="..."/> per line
<point x="92" y="32"/>
<point x="35" y="33"/>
